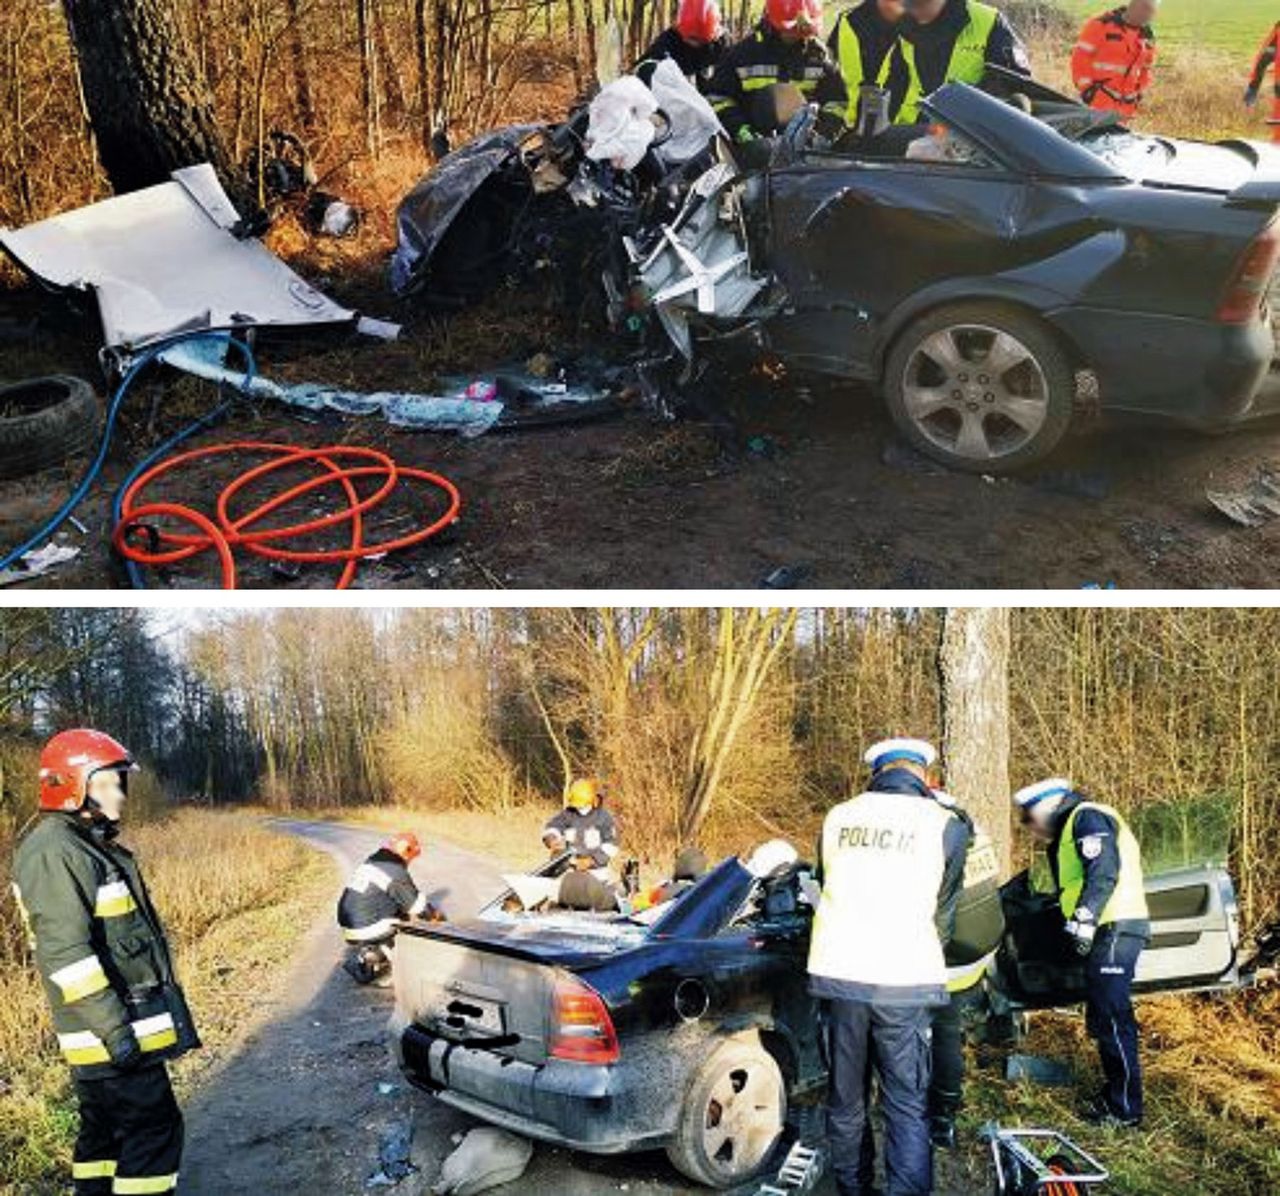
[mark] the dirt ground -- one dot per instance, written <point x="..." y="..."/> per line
<point x="799" y="482"/>
<point x="298" y="1108"/>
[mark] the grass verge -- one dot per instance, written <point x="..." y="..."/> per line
<point x="236" y="899"/>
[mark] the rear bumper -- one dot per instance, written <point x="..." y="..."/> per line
<point x="1196" y="372"/>
<point x="598" y="1109"/>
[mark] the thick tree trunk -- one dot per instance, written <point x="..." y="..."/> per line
<point x="301" y="76"/>
<point x="973" y="660"/>
<point x="148" y="102"/>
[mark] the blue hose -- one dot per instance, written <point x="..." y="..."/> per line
<point x="113" y="410"/>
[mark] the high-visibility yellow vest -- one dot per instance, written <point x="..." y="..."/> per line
<point x="968" y="58"/>
<point x="1129" y="901"/>
<point x="849" y="59"/>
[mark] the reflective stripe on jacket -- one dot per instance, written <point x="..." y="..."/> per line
<point x="875" y="933"/>
<point x="865" y="47"/>
<point x="968" y="62"/>
<point x="99" y="946"/>
<point x="1128" y="901"/>
<point x="1113" y="62"/>
<point x="379" y="893"/>
<point x="593" y="834"/>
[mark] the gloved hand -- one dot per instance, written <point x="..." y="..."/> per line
<point x="125" y="1052"/>
<point x="554" y="845"/>
<point x="1082" y="930"/>
<point x="1250" y="97"/>
<point x="753" y="153"/>
<point x="829" y="127"/>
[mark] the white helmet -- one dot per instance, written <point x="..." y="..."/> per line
<point x="771" y="857"/>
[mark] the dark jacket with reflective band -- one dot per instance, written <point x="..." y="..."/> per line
<point x="593" y="834"/>
<point x="957" y="48"/>
<point x="865" y="47"/>
<point x="99" y="946"/>
<point x="1094" y="839"/>
<point x="695" y="62"/>
<point x="891" y="872"/>
<point x="979" y="923"/>
<point x="762" y="59"/>
<point x="379" y="893"/>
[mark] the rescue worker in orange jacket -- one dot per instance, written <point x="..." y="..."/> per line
<point x="1268" y="59"/>
<point x="1114" y="60"/>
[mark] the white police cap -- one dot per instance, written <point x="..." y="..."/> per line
<point x="917" y="751"/>
<point x="1033" y="795"/>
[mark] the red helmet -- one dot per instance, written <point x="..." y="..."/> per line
<point x="786" y="15"/>
<point x="699" y="20"/>
<point x="69" y="759"/>
<point x="405" y="845"/>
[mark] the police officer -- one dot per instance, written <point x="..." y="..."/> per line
<point x="585" y="828"/>
<point x="954" y="41"/>
<point x="783" y="48"/>
<point x="864" y="42"/>
<point x="694" y="43"/>
<point x="1115" y="57"/>
<point x="891" y="865"/>
<point x="380" y="893"/>
<point x="108" y="974"/>
<point x="979" y="928"/>
<point x="1097" y="867"/>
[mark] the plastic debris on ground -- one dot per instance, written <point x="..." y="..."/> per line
<point x="38" y="562"/>
<point x="469" y="406"/>
<point x="485" y="1158"/>
<point x="1049" y="1073"/>
<point x="393" y="1157"/>
<point x="1253" y="505"/>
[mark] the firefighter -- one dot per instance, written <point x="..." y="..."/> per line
<point x="891" y="865"/>
<point x="979" y="928"/>
<point x="380" y="893"/>
<point x="102" y="953"/>
<point x="1114" y="59"/>
<point x="585" y="828"/>
<point x="864" y="42"/>
<point x="954" y="41"/>
<point x="1097" y="868"/>
<point x="1268" y="60"/>
<point x="694" y="43"/>
<point x="782" y="49"/>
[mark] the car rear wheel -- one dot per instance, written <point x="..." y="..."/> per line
<point x="732" y="1118"/>
<point x="981" y="387"/>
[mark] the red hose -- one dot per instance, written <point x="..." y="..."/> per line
<point x="230" y="533"/>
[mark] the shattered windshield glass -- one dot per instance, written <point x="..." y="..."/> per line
<point x="1134" y="156"/>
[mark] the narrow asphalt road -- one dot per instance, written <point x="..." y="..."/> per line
<point x="305" y="1099"/>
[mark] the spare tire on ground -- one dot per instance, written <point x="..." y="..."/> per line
<point x="43" y="421"/>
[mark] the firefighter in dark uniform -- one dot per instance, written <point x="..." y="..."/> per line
<point x="864" y="43"/>
<point x="1097" y="867"/>
<point x="783" y="48"/>
<point x="379" y="894"/>
<point x="694" y="43"/>
<point x="954" y="41"/>
<point x="891" y="864"/>
<point x="585" y="828"/>
<point x="979" y="929"/>
<point x="102" y="953"/>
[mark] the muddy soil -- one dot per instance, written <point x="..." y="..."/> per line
<point x="297" y="1106"/>
<point x="800" y="482"/>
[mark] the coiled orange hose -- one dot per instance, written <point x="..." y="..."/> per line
<point x="230" y="533"/>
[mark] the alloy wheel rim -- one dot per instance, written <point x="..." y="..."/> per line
<point x="976" y="391"/>
<point x="743" y="1120"/>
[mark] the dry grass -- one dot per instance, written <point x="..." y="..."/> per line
<point x="235" y="898"/>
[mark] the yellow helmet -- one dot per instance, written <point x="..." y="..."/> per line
<point x="584" y="795"/>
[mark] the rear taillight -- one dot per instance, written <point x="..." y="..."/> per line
<point x="1251" y="279"/>
<point x="581" y="1028"/>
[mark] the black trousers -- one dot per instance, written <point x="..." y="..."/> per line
<point x="130" y="1136"/>
<point x="895" y="1040"/>
<point x="946" y="1087"/>
<point x="1108" y="1016"/>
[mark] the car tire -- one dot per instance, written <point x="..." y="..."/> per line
<point x="732" y="1118"/>
<point x="950" y="409"/>
<point x="43" y="421"/>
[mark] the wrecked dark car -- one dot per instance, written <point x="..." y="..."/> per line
<point x="988" y="273"/>
<point x="689" y="1027"/>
